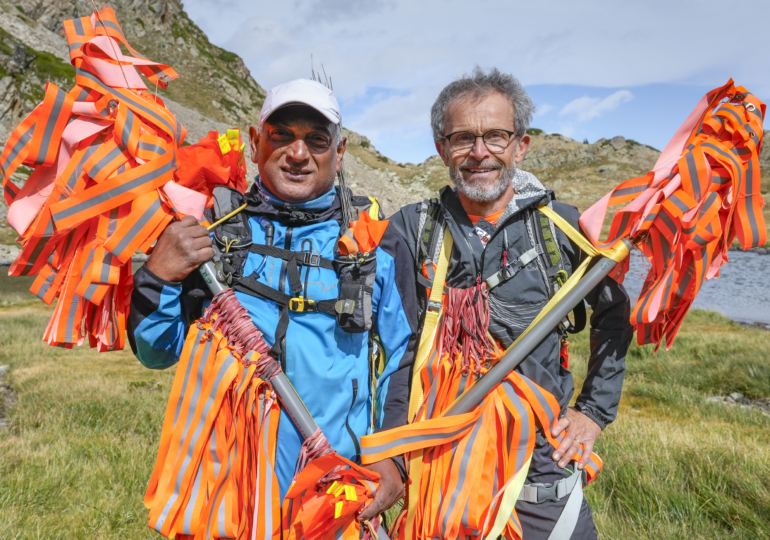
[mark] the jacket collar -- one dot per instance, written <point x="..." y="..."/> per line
<point x="261" y="202"/>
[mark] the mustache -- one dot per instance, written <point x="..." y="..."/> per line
<point x="486" y="164"/>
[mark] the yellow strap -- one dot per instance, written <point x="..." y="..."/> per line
<point x="430" y="326"/>
<point x="570" y="231"/>
<point x="617" y="253"/>
<point x="427" y="339"/>
<point x="510" y="496"/>
<point x="374" y="209"/>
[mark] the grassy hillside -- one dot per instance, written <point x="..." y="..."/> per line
<point x="83" y="432"/>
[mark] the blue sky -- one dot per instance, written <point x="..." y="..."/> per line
<point x="595" y="68"/>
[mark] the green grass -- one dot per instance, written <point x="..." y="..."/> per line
<point x="676" y="465"/>
<point x="82" y="436"/>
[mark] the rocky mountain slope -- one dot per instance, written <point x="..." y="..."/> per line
<point x="216" y="91"/>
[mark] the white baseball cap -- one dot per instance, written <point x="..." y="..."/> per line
<point x="301" y="92"/>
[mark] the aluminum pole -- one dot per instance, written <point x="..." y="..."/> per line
<point x="476" y="393"/>
<point x="287" y="395"/>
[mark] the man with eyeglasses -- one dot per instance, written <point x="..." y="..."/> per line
<point x="516" y="260"/>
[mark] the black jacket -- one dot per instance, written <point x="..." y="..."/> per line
<point x="516" y="302"/>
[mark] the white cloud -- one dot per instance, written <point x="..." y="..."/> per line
<point x="587" y="108"/>
<point x="543" y="109"/>
<point x="398" y="43"/>
<point x="415" y="48"/>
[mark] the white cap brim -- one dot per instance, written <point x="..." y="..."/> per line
<point x="302" y="92"/>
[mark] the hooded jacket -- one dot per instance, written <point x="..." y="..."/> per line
<point x="330" y="368"/>
<point x="516" y="302"/>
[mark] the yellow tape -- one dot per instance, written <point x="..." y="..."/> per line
<point x="224" y="144"/>
<point x="338" y="509"/>
<point x="232" y="136"/>
<point x="350" y="493"/>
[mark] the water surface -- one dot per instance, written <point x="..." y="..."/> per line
<point x="741" y="292"/>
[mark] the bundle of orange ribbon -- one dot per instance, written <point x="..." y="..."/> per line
<point x="105" y="157"/>
<point x="702" y="194"/>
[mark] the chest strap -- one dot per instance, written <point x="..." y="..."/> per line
<point x="512" y="268"/>
<point x="303" y="258"/>
<point x="298" y="304"/>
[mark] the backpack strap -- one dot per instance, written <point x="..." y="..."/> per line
<point x="429" y="234"/>
<point x="430" y="325"/>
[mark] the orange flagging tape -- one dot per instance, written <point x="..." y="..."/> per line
<point x="109" y="174"/>
<point x="463" y="469"/>
<point x="702" y="194"/>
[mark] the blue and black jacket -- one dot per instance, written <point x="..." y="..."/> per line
<point x="330" y="368"/>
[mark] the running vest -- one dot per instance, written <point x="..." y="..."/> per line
<point x="355" y="260"/>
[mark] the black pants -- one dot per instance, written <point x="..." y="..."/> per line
<point x="538" y="520"/>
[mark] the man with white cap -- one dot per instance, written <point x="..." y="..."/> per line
<point x="283" y="248"/>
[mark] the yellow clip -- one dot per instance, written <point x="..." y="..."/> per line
<point x="350" y="493"/>
<point x="339" y="490"/>
<point x="233" y="135"/>
<point x="332" y="488"/>
<point x="224" y="144"/>
<point x="338" y="509"/>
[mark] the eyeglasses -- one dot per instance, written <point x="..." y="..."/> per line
<point x="496" y="140"/>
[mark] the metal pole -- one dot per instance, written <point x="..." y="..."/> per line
<point x="287" y="395"/>
<point x="476" y="393"/>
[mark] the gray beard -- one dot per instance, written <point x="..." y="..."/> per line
<point x="482" y="193"/>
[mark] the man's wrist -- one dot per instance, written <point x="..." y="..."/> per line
<point x="398" y="461"/>
<point x="590" y="414"/>
<point x="156" y="277"/>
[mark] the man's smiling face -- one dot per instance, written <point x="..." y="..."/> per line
<point x="478" y="173"/>
<point x="297" y="153"/>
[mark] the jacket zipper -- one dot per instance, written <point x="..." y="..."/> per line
<point x="347" y="423"/>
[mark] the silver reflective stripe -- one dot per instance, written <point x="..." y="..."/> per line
<point x="568" y="519"/>
<point x="382" y="533"/>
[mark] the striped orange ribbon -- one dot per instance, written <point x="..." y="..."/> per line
<point x="101" y="156"/>
<point x="684" y="215"/>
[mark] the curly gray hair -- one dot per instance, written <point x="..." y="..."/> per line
<point x="478" y="85"/>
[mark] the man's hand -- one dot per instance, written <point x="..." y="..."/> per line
<point x="580" y="429"/>
<point x="183" y="247"/>
<point x="390" y="490"/>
